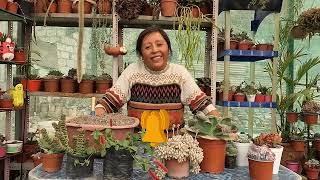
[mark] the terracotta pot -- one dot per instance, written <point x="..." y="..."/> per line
<point x="310" y="118"/>
<point x="53" y="8"/>
<point x="168" y="7"/>
<point x="312" y="173"/>
<point x="3" y="151"/>
<point x="297" y="145"/>
<point x="3" y="4"/>
<point x="270" y="47"/>
<point x="239" y="97"/>
<point x="316" y="144"/>
<point x="293" y="166"/>
<point x="204" y="10"/>
<point x="177" y="170"/>
<point x="102" y="86"/>
<point x="298" y="32"/>
<point x="259" y="98"/>
<point x="19" y="57"/>
<point x="31" y="85"/>
<point x="195" y="12"/>
<point x="51" y="162"/>
<point x="290" y="154"/>
<point x="114" y="51"/>
<point x="40" y="6"/>
<point x="64" y="6"/>
<point x="28" y="150"/>
<point x="68" y="85"/>
<point x="268" y="98"/>
<point x="51" y="85"/>
<point x="292" y="117"/>
<point x="230" y="96"/>
<point x="148" y="11"/>
<point x="104" y="6"/>
<point x="214" y="155"/>
<point x="12" y="7"/>
<point x="6" y="103"/>
<point x="86" y="86"/>
<point x="87" y="7"/>
<point x="260" y="170"/>
<point x="234" y="44"/>
<point x="245" y="45"/>
<point x="262" y="47"/>
<point x="175" y="110"/>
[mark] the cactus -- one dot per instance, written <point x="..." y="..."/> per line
<point x="50" y="145"/>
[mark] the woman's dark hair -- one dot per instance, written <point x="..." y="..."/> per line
<point x="148" y="31"/>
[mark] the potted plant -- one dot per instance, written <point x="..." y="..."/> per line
<point x="297" y="142"/>
<point x="129" y="9"/>
<point x="312" y="168"/>
<point x="261" y="160"/>
<point x="87" y="84"/>
<point x="310" y="111"/>
<point x="243" y="143"/>
<point x="273" y="142"/>
<point x="150" y="7"/>
<point x="31" y="146"/>
<point x="103" y="82"/>
<point x="239" y="93"/>
<point x="6" y="101"/>
<point x="64" y="6"/>
<point x="68" y="83"/>
<point x="316" y="141"/>
<point x="19" y="56"/>
<point x="52" y="152"/>
<point x="292" y="116"/>
<point x="119" y="155"/>
<point x="104" y="6"/>
<point x="32" y="83"/>
<point x="12" y="6"/>
<point x="231" y="155"/>
<point x="268" y="97"/>
<point x="213" y="133"/>
<point x="181" y="154"/>
<point x="261" y="93"/>
<point x="250" y="91"/>
<point x="245" y="41"/>
<point x="234" y="40"/>
<point x="51" y="81"/>
<point x="3" y="147"/>
<point x="168" y="7"/>
<point x="231" y="91"/>
<point x="307" y="19"/>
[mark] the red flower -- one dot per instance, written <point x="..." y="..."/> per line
<point x="153" y="175"/>
<point x="102" y="140"/>
<point x="161" y="166"/>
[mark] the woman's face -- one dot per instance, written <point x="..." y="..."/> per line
<point x="155" y="51"/>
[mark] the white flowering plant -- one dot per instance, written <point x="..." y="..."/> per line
<point x="182" y="148"/>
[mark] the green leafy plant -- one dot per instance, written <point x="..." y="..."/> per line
<point x="313" y="163"/>
<point x="53" y="74"/>
<point x="244" y="138"/>
<point x="33" y="77"/>
<point x="262" y="89"/>
<point x="250" y="88"/>
<point x="232" y="149"/>
<point x="3" y="37"/>
<point x="88" y="77"/>
<point x="104" y="76"/>
<point x="260" y="153"/>
<point x="50" y="145"/>
<point x="261" y="4"/>
<point x="72" y="74"/>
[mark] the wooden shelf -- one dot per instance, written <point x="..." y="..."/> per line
<point x="247" y="55"/>
<point x="61" y="94"/>
<point x="8" y="16"/>
<point x="72" y="20"/>
<point x="247" y="104"/>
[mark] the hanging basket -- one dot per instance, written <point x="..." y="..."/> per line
<point x="310" y="118"/>
<point x="298" y="32"/>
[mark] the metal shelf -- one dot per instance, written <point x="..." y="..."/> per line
<point x="10" y="62"/>
<point x="10" y="109"/>
<point x="247" y="55"/>
<point x="72" y="20"/>
<point x="247" y="104"/>
<point x="10" y="155"/>
<point x="8" y="16"/>
<point x="61" y="94"/>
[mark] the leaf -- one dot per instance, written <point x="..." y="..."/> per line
<point x="96" y="134"/>
<point x="103" y="152"/>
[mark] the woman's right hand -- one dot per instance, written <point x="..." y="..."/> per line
<point x="100" y="111"/>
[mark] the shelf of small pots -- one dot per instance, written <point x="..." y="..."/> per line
<point x="272" y="141"/>
<point x="86" y="86"/>
<point x="242" y="144"/>
<point x="231" y="156"/>
<point x="312" y="168"/>
<point x="32" y="83"/>
<point x="68" y="82"/>
<point x="292" y="116"/>
<point x="6" y="101"/>
<point x="119" y="156"/>
<point x="51" y="81"/>
<point x="250" y="91"/>
<point x="103" y="83"/>
<point x="3" y="147"/>
<point x="181" y="154"/>
<point x="297" y="142"/>
<point x="310" y="111"/>
<point x="316" y="141"/>
<point x="261" y="160"/>
<point x="213" y="132"/>
<point x="53" y="151"/>
<point x="246" y="42"/>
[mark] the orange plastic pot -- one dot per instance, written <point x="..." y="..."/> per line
<point x="259" y="98"/>
<point x="292" y="117"/>
<point x="51" y="85"/>
<point x="103" y="85"/>
<point x="245" y="45"/>
<point x="19" y="57"/>
<point x="6" y="103"/>
<point x="64" y="6"/>
<point x="262" y="47"/>
<point x="260" y="170"/>
<point x="168" y="7"/>
<point x="214" y="155"/>
<point x="239" y="97"/>
<point x="312" y="173"/>
<point x="268" y="98"/>
<point x="104" y="7"/>
<point x="12" y="7"/>
<point x="234" y="44"/>
<point x="31" y="85"/>
<point x="113" y="51"/>
<point x="68" y="85"/>
<point x="53" y="8"/>
<point x="51" y="162"/>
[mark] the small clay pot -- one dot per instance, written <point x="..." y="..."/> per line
<point x="114" y="51"/>
<point x="64" y="6"/>
<point x="262" y="47"/>
<point x="234" y="44"/>
<point x="53" y="8"/>
<point x="19" y="57"/>
<point x="104" y="6"/>
<point x="12" y="7"/>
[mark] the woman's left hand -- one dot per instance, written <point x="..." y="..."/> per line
<point x="215" y="113"/>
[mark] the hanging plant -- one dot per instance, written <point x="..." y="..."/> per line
<point x="129" y="9"/>
<point x="259" y="4"/>
<point x="309" y="21"/>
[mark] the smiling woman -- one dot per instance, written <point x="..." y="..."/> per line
<point x="154" y="83"/>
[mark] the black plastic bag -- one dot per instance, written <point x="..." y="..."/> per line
<point x="79" y="167"/>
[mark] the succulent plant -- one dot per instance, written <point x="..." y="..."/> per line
<point x="88" y="77"/>
<point x="232" y="149"/>
<point x="311" y="107"/>
<point x="33" y="77"/>
<point x="53" y="74"/>
<point x="129" y="9"/>
<point x="50" y="145"/>
<point x="72" y="74"/>
<point x="271" y="140"/>
<point x="104" y="76"/>
<point x="260" y="153"/>
<point x="313" y="163"/>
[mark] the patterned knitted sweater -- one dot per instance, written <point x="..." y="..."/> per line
<point x="174" y="84"/>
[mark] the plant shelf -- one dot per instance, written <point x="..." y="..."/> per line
<point x="6" y="62"/>
<point x="10" y="155"/>
<point x="11" y="109"/>
<point x="247" y="55"/>
<point x="247" y="104"/>
<point x="61" y="94"/>
<point x="8" y="16"/>
<point x="72" y="20"/>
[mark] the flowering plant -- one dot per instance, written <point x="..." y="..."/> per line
<point x="272" y="140"/>
<point x="182" y="148"/>
<point x="260" y="153"/>
<point x="313" y="163"/>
